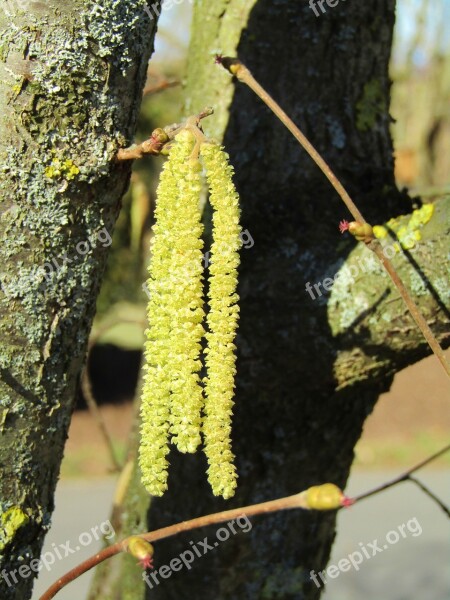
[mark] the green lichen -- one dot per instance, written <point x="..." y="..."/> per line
<point x="10" y="521"/>
<point x="361" y="281"/>
<point x="70" y="115"/>
<point x="283" y="583"/>
<point x="371" y="104"/>
<point x="110" y="23"/>
<point x="61" y="169"/>
<point x="408" y="233"/>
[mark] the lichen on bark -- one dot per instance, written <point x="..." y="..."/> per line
<point x="70" y="88"/>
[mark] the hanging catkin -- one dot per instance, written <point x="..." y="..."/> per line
<point x="222" y="321"/>
<point x="172" y="396"/>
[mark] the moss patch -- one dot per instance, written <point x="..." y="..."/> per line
<point x="371" y="104"/>
<point x="10" y="521"/>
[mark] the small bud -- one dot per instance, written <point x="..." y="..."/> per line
<point x="233" y="65"/>
<point x="325" y="497"/>
<point x="363" y="232"/>
<point x="160" y="136"/>
<point x="142" y="550"/>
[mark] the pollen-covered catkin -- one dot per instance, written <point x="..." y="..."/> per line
<point x="222" y="320"/>
<point x="171" y="395"/>
<point x="186" y="400"/>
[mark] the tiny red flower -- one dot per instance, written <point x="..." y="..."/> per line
<point x="142" y="550"/>
<point x="146" y="562"/>
<point x="346" y="501"/>
<point x="343" y="226"/>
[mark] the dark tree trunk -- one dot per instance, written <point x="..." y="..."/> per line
<point x="71" y="80"/>
<point x="309" y="371"/>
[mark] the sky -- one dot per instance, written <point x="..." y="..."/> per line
<point x="173" y="29"/>
<point x="437" y="29"/>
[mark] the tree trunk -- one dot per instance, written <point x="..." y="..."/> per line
<point x="70" y="88"/>
<point x="309" y="371"/>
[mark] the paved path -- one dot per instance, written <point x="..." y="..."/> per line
<point x="412" y="566"/>
<point x="80" y="506"/>
<point x="415" y="567"/>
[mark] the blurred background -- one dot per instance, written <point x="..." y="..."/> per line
<point x="409" y="422"/>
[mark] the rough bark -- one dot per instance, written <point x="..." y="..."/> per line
<point x="309" y="372"/>
<point x="70" y="87"/>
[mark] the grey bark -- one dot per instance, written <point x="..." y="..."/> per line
<point x="70" y="87"/>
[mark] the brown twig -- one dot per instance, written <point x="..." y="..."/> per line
<point x="375" y="246"/>
<point x="430" y="494"/>
<point x="289" y="502"/>
<point x="241" y="72"/>
<point x="404" y="477"/>
<point x="158" y="140"/>
<point x="153" y="145"/>
<point x="159" y="87"/>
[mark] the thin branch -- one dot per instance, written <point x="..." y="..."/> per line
<point x="159" y="87"/>
<point x="289" y="502"/>
<point x="241" y="72"/>
<point x="235" y="67"/>
<point x="375" y="246"/>
<point x="429" y="493"/>
<point x="158" y="140"/>
<point x="404" y="477"/>
<point x="88" y="394"/>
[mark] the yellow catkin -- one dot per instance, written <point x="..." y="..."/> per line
<point x="171" y="395"/>
<point x="186" y="399"/>
<point x="222" y="321"/>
